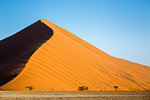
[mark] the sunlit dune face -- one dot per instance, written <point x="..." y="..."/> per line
<point x="66" y="62"/>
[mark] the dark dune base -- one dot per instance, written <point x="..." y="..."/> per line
<point x="16" y="50"/>
<point x="72" y="95"/>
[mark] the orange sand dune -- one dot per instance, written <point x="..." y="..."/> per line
<point x="66" y="62"/>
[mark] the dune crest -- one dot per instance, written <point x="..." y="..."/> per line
<point x="63" y="62"/>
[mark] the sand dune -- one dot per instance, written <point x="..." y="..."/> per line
<point x="62" y="61"/>
<point x="15" y="51"/>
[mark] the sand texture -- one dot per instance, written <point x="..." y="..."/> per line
<point x="63" y="62"/>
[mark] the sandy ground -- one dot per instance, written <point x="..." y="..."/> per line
<point x="73" y="95"/>
<point x="65" y="62"/>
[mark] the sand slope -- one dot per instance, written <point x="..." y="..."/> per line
<point x="66" y="62"/>
<point x="16" y="50"/>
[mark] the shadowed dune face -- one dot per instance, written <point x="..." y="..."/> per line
<point x="16" y="50"/>
<point x="65" y="62"/>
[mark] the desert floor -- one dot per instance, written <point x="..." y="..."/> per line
<point x="74" y="95"/>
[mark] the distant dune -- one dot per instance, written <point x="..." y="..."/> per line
<point x="48" y="57"/>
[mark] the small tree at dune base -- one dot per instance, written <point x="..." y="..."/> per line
<point x="83" y="88"/>
<point x="30" y="88"/>
<point x="116" y="87"/>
